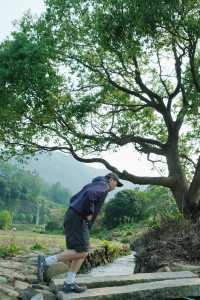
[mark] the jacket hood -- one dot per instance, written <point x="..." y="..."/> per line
<point x="100" y="179"/>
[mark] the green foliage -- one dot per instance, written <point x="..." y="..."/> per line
<point x="57" y="193"/>
<point x="103" y="233"/>
<point x="158" y="204"/>
<point x="5" y="219"/>
<point x="125" y="207"/>
<point x="55" y="223"/>
<point x="157" y="207"/>
<point x="37" y="246"/>
<point x="27" y="196"/>
<point x="92" y="76"/>
<point x="10" y="250"/>
<point x="112" y="250"/>
<point x="105" y="46"/>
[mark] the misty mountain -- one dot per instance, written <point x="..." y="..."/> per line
<point x="59" y="167"/>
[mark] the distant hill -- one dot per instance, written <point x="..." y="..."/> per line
<point x="58" y="167"/>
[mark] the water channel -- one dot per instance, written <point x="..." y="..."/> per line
<point x="121" y="266"/>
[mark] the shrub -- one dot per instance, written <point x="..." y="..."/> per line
<point x="5" y="219"/>
<point x="37" y="246"/>
<point x="125" y="207"/>
<point x="10" y="250"/>
<point x="56" y="219"/>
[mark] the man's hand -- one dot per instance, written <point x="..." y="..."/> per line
<point x="89" y="218"/>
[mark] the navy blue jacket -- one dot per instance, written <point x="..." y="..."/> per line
<point x="91" y="198"/>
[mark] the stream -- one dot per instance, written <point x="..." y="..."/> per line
<point x="120" y="266"/>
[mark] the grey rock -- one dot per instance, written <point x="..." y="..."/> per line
<point x="184" y="267"/>
<point x="20" y="285"/>
<point x="3" y="280"/>
<point x="164" y="269"/>
<point x="8" y="292"/>
<point x="37" y="297"/>
<point x="32" y="278"/>
<point x="107" y="281"/>
<point x="167" y="289"/>
<point x="29" y="293"/>
<point x="12" y="274"/>
<point x="40" y="286"/>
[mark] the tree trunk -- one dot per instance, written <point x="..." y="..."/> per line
<point x="187" y="197"/>
<point x="193" y="197"/>
<point x="37" y="222"/>
<point x="180" y="188"/>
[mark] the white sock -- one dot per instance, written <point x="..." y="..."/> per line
<point x="51" y="260"/>
<point x="70" y="277"/>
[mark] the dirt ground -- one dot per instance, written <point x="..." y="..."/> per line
<point x="173" y="241"/>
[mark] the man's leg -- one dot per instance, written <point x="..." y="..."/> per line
<point x="64" y="257"/>
<point x="71" y="255"/>
<point x="77" y="238"/>
<point x="70" y="284"/>
<point x="73" y="270"/>
<point x="77" y="259"/>
<point x="76" y="265"/>
<point x="67" y="255"/>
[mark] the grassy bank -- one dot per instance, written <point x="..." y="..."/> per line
<point x="26" y="241"/>
<point x="122" y="233"/>
<point x="174" y="240"/>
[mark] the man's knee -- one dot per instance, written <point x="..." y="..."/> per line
<point x="83" y="254"/>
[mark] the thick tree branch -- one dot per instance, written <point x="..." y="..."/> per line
<point x="194" y="72"/>
<point x="163" y="181"/>
<point x="157" y="100"/>
<point x="178" y="62"/>
<point x="194" y="190"/>
<point x="152" y="95"/>
<point x="127" y="91"/>
<point x="184" y="156"/>
<point x="96" y="69"/>
<point x="160" y="74"/>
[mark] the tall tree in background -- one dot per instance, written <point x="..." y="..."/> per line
<point x="89" y="76"/>
<point x="27" y="197"/>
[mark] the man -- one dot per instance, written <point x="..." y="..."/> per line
<point x="83" y="210"/>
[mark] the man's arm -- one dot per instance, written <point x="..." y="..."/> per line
<point x="96" y="202"/>
<point x="93" y="198"/>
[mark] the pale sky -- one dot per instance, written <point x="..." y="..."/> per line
<point x="11" y="10"/>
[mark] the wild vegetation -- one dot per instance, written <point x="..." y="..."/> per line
<point x="26" y="198"/>
<point x="90" y="76"/>
<point x="104" y="74"/>
<point x="132" y="217"/>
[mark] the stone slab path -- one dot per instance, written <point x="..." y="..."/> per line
<point x="18" y="280"/>
<point x="165" y="289"/>
<point x="109" y="281"/>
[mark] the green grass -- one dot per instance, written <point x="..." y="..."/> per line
<point x="14" y="242"/>
<point x="123" y="233"/>
<point x="27" y="240"/>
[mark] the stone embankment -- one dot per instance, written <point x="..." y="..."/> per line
<point x="18" y="280"/>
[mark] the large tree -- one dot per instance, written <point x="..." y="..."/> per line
<point x="89" y="76"/>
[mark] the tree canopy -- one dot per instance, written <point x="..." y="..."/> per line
<point x="27" y="197"/>
<point x="125" y="207"/>
<point x="88" y="76"/>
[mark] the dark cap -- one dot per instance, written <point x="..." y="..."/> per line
<point x="115" y="177"/>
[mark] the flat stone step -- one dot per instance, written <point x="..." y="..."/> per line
<point x="166" y="289"/>
<point x="107" y="281"/>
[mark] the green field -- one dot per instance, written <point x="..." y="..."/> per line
<point x="28" y="241"/>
